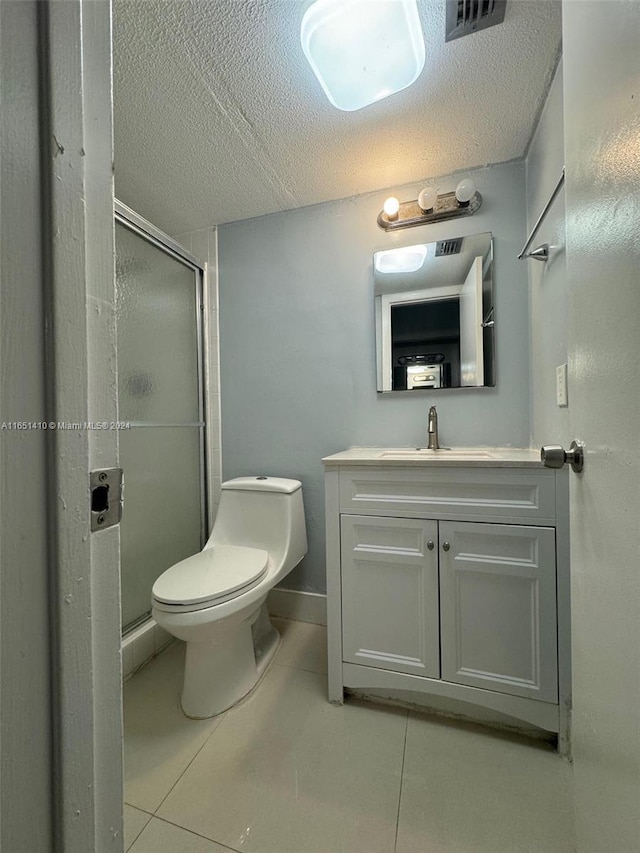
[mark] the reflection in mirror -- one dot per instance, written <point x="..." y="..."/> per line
<point x="434" y="315"/>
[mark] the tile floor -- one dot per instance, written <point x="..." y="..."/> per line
<point x="285" y="772"/>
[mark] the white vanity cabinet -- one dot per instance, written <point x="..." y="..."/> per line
<point x="390" y="604"/>
<point x="450" y="580"/>
<point x="498" y="608"/>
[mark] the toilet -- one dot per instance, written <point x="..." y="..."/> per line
<point x="215" y="600"/>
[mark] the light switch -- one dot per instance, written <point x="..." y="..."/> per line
<point x="562" y="398"/>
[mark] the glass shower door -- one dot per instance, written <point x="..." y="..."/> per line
<point x="160" y="396"/>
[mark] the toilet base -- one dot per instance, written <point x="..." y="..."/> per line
<point x="219" y="673"/>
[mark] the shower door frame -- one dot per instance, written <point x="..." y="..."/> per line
<point x="137" y="224"/>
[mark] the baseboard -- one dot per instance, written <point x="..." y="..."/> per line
<point x="453" y="709"/>
<point x="301" y="606"/>
<point x="142" y="644"/>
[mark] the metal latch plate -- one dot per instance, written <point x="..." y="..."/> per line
<point x="106" y="493"/>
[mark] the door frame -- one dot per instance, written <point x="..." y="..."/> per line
<point x="82" y="365"/>
<point x="64" y="243"/>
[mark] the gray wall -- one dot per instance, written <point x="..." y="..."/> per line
<point x="297" y="342"/>
<point x="25" y="707"/>
<point x="547" y="282"/>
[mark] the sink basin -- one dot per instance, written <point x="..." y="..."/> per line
<point x="441" y="453"/>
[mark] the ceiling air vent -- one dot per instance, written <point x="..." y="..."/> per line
<point x="468" y="16"/>
<point x="448" y="247"/>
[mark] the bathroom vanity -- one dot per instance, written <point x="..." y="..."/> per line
<point x="448" y="576"/>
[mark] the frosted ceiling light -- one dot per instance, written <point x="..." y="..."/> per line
<point x="409" y="259"/>
<point x="363" y="50"/>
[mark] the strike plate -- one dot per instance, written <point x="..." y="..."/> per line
<point x="106" y="490"/>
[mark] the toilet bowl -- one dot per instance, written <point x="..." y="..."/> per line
<point x="215" y="600"/>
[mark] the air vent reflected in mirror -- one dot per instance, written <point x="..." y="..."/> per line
<point x="448" y="247"/>
<point x="468" y="16"/>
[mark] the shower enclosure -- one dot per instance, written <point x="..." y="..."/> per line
<point x="159" y="289"/>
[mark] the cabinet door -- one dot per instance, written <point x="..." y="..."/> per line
<point x="390" y="593"/>
<point x="498" y="608"/>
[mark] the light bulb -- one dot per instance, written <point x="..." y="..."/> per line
<point x="427" y="199"/>
<point x="465" y="191"/>
<point x="391" y="207"/>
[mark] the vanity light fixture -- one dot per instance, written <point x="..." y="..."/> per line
<point x="431" y="207"/>
<point x="361" y="51"/>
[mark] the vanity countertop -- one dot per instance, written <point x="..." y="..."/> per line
<point x="456" y="457"/>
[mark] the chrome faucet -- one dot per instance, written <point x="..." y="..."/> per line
<point x="433" y="429"/>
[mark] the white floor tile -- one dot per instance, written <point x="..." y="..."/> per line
<point x="162" y="837"/>
<point x="285" y="772"/>
<point x="468" y="790"/>
<point x="159" y="740"/>
<point x="304" y="646"/>
<point x="134" y="822"/>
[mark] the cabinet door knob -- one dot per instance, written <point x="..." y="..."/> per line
<point x="431" y="544"/>
<point x="446" y="546"/>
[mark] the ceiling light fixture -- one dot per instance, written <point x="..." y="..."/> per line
<point x="408" y="259"/>
<point x="361" y="51"/>
<point x="431" y="207"/>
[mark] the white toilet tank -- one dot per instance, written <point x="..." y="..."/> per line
<point x="263" y="512"/>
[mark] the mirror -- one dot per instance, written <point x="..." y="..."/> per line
<point x="434" y="315"/>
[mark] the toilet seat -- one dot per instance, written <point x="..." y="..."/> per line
<point x="211" y="577"/>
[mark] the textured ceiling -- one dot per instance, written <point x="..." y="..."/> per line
<point x="218" y="116"/>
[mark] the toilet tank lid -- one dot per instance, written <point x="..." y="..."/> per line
<point x="263" y="484"/>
